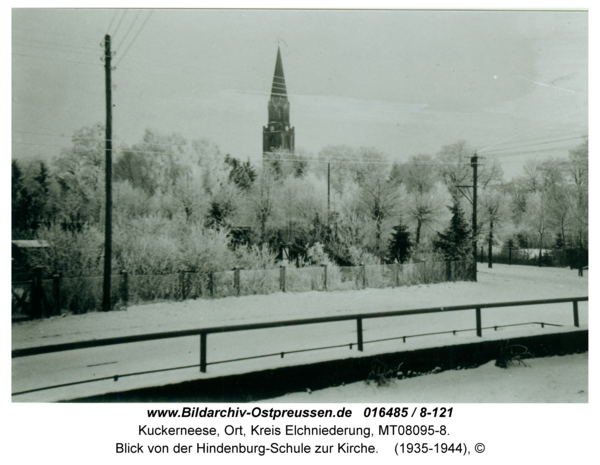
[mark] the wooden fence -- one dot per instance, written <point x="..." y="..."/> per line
<point x="49" y="297"/>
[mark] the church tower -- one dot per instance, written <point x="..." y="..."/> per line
<point x="278" y="134"/>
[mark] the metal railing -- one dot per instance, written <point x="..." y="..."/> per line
<point x="204" y="332"/>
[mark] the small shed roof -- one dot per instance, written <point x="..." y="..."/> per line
<point x="31" y="244"/>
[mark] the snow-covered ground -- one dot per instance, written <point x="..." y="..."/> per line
<point x="551" y="379"/>
<point x="499" y="284"/>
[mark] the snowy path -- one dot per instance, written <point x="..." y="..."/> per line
<point x="502" y="283"/>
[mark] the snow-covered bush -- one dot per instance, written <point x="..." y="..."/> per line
<point x="72" y="254"/>
<point x="259" y="273"/>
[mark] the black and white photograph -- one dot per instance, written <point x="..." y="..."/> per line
<point x="254" y="206"/>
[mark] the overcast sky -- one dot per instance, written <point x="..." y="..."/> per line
<point x="404" y="82"/>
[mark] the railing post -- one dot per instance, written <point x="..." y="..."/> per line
<point x="575" y="313"/>
<point x="236" y="281"/>
<point x="211" y="283"/>
<point x="57" y="294"/>
<point x="478" y="320"/>
<point x="397" y="277"/>
<point x="203" y="352"/>
<point x="324" y="276"/>
<point x="359" y="332"/>
<point x="125" y="288"/>
<point x="448" y="270"/>
<point x="364" y="275"/>
<point x="282" y="278"/>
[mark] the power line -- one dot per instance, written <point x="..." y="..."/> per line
<point x="119" y="25"/>
<point x="55" y="59"/>
<point x="89" y="64"/>
<point x="312" y="160"/>
<point x="131" y="26"/>
<point x="160" y="152"/>
<point x="163" y="61"/>
<point x="190" y="145"/>
<point x="112" y="21"/>
<point x="80" y="138"/>
<point x="155" y="152"/>
<point x="347" y="160"/>
<point x="527" y="153"/>
<point x="532" y="128"/>
<point x="146" y="72"/>
<point x="39" y="145"/>
<point x="365" y="162"/>
<point x="532" y="145"/>
<point x="138" y="33"/>
<point x="40" y="133"/>
<point x="172" y="65"/>
<point x="36" y="47"/>
<point x="568" y="133"/>
<point x="55" y="43"/>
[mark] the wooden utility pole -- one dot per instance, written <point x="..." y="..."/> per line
<point x="108" y="208"/>
<point x="474" y="228"/>
<point x="490" y="240"/>
<point x="328" y="197"/>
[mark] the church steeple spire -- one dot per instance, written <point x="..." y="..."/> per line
<point x="278" y="134"/>
<point x="278" y="88"/>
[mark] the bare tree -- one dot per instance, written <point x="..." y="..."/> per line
<point x="561" y="206"/>
<point x="425" y="201"/>
<point x="531" y="180"/>
<point x="379" y="200"/>
<point x="262" y="202"/>
<point x="425" y="210"/>
<point x="455" y="167"/>
<point x="578" y="171"/>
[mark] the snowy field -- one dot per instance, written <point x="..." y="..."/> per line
<point x="499" y="284"/>
<point x="547" y="380"/>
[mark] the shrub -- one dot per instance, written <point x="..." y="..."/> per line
<point x="72" y="254"/>
<point x="146" y="246"/>
<point x="510" y="354"/>
<point x="205" y="249"/>
<point x="255" y="258"/>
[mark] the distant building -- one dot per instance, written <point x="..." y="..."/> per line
<point x="278" y="135"/>
<point x="22" y="252"/>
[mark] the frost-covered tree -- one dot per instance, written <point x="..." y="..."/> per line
<point x="578" y="172"/>
<point x="492" y="212"/>
<point x="380" y="201"/>
<point x="537" y="215"/>
<point x="261" y="212"/>
<point x="79" y="171"/>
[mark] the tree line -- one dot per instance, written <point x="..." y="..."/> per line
<point x="184" y="204"/>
